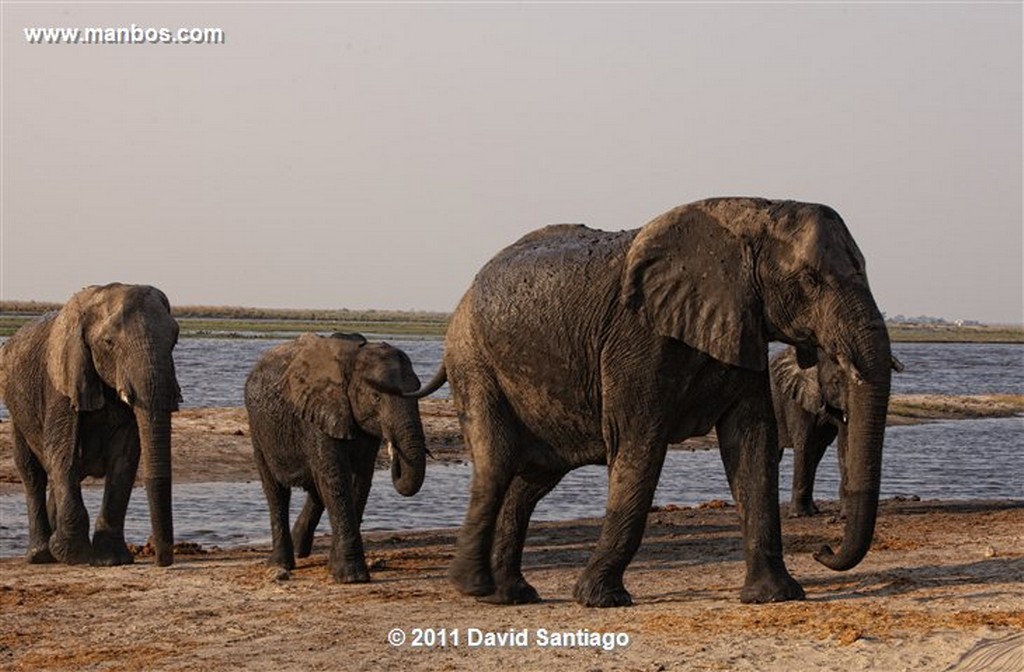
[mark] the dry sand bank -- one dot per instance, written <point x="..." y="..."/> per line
<point x="944" y="581"/>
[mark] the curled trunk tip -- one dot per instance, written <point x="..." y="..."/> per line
<point x="408" y="462"/>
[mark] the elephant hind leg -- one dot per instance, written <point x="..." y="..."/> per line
<point x="489" y="430"/>
<point x="633" y="478"/>
<point x="278" y="497"/>
<point x="305" y="525"/>
<point x="33" y="476"/>
<point x="523" y="495"/>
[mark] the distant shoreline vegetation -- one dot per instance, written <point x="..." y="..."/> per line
<point x="240" y="322"/>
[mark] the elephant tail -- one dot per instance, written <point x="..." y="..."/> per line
<point x="433" y="386"/>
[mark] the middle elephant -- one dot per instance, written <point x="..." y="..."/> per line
<point x="575" y="346"/>
<point x="319" y="408"/>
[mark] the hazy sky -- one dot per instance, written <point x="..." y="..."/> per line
<point x="375" y="156"/>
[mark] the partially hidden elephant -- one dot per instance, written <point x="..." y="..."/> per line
<point x="810" y="408"/>
<point x="319" y="408"/>
<point x="575" y="346"/>
<point x="90" y="390"/>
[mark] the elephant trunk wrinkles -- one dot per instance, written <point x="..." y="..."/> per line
<point x="150" y="385"/>
<point x="408" y="458"/>
<point x="867" y="405"/>
<point x="155" y="439"/>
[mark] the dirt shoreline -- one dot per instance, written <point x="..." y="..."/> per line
<point x="942" y="588"/>
<point x="943" y="583"/>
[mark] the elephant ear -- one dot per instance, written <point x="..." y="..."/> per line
<point x="315" y="384"/>
<point x="68" y="358"/>
<point x="694" y="280"/>
<point x="792" y="381"/>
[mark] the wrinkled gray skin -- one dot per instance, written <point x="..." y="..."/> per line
<point x="319" y="408"/>
<point x="810" y="407"/>
<point x="90" y="389"/>
<point x="575" y="346"/>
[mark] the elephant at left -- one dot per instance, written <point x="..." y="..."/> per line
<point x="90" y="390"/>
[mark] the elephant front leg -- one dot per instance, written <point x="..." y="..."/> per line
<point x="363" y="460"/>
<point x="523" y="495"/>
<point x="333" y="474"/>
<point x="806" y="458"/>
<point x="804" y="464"/>
<point x="33" y="476"/>
<point x="108" y="542"/>
<point x="632" y="480"/>
<point x="69" y="542"/>
<point x="748" y="442"/>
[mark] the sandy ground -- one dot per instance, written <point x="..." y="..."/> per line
<point x="942" y="588"/>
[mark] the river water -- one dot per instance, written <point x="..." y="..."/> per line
<point x="967" y="459"/>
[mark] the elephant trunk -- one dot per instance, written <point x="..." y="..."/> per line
<point x="868" y="367"/>
<point x="407" y="449"/>
<point x="155" y="439"/>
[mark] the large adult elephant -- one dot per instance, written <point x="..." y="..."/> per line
<point x="575" y="346"/>
<point x="319" y="409"/>
<point x="90" y="389"/>
<point x="810" y="408"/>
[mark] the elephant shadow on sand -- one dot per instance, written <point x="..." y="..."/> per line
<point x="559" y="547"/>
<point x="904" y="581"/>
<point x="889" y="583"/>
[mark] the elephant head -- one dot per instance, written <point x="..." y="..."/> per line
<point x="112" y="344"/>
<point x="727" y="275"/>
<point x="820" y="389"/>
<point x="342" y="385"/>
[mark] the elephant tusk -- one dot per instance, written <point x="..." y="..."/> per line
<point x="125" y="398"/>
<point x="391" y="452"/>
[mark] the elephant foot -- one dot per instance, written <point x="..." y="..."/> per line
<point x="517" y="591"/>
<point x="40" y="555"/>
<point x="772" y="588"/>
<point x="357" y="575"/>
<point x="471" y="579"/>
<point x="71" y="550"/>
<point x="350" y="571"/>
<point x="602" y="594"/>
<point x="109" y="549"/>
<point x="803" y="509"/>
<point x="281" y="559"/>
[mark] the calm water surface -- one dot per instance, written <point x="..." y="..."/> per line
<point x="212" y="371"/>
<point x="969" y="459"/>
